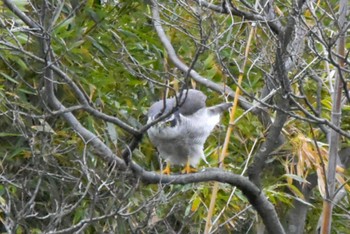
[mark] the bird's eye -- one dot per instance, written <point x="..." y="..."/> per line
<point x="171" y="123"/>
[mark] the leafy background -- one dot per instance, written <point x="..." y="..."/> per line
<point x="113" y="53"/>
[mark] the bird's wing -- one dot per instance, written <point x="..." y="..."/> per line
<point x="218" y="109"/>
<point x="190" y="101"/>
<point x="161" y="107"/>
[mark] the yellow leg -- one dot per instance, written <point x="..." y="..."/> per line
<point x="166" y="170"/>
<point x="188" y="169"/>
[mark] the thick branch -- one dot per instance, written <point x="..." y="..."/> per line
<point x="253" y="194"/>
<point x="335" y="119"/>
<point x="287" y="41"/>
<point x="274" y="139"/>
<point x="296" y="216"/>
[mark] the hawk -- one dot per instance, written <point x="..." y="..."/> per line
<point x="180" y="137"/>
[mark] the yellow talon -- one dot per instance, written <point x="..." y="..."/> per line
<point x="166" y="170"/>
<point x="188" y="169"/>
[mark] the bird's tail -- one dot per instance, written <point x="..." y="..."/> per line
<point x="217" y="109"/>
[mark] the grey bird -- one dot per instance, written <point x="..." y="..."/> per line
<point x="180" y="137"/>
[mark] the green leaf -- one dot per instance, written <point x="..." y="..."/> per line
<point x="62" y="26"/>
<point x="97" y="45"/>
<point x="209" y="61"/>
<point x="76" y="44"/>
<point x="9" y="78"/>
<point x="196" y="202"/>
<point x="296" y="177"/>
<point x="22" y="64"/>
<point x="9" y="134"/>
<point x="304" y="202"/>
<point x="21" y="4"/>
<point x="127" y="33"/>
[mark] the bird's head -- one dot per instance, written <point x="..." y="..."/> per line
<point x="169" y="122"/>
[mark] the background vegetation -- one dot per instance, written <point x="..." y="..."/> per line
<point x="77" y="78"/>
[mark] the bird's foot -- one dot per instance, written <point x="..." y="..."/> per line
<point x="188" y="169"/>
<point x="166" y="170"/>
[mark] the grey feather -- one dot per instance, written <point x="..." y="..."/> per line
<point x="181" y="136"/>
<point x="218" y="109"/>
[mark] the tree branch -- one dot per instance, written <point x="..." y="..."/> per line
<point x="273" y="23"/>
<point x="335" y="119"/>
<point x="76" y="90"/>
<point x="290" y="45"/>
<point x="28" y="21"/>
<point x="254" y="195"/>
<point x="183" y="67"/>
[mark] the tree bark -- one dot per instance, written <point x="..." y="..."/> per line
<point x="335" y="119"/>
